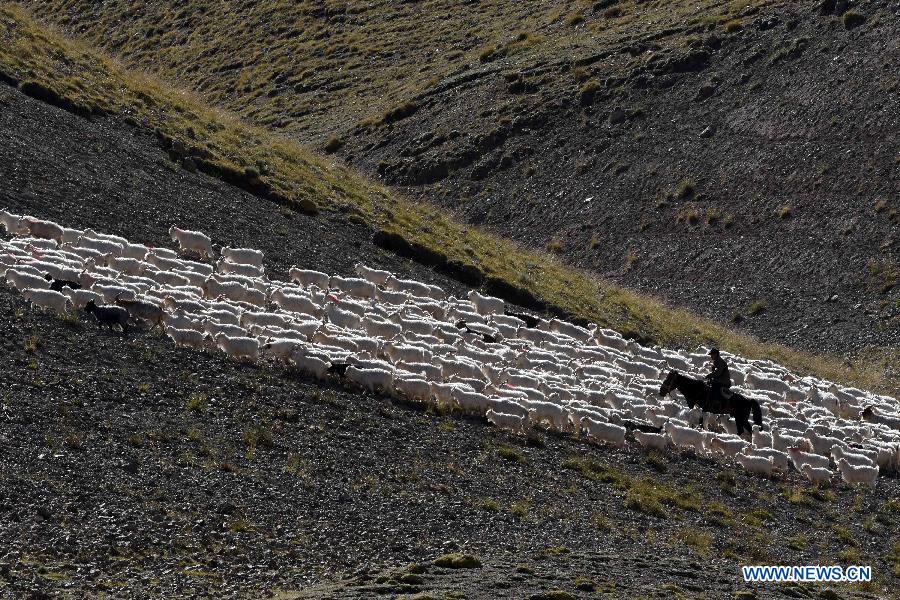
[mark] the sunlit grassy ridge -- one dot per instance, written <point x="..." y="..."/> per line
<point x="317" y="68"/>
<point x="38" y="59"/>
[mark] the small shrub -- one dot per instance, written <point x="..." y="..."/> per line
<point x="642" y="501"/>
<point x="886" y="274"/>
<point x="511" y="454"/>
<point x="657" y="462"/>
<point x="399" y="113"/>
<point x="597" y="472"/>
<point x="136" y="440"/>
<point x="686" y="188"/>
<point x="519" y="509"/>
<point x="798" y="543"/>
<point x="196" y="402"/>
<point x="689" y="215"/>
<point x="784" y="212"/>
<point x="795" y="495"/>
<point x="893" y="559"/>
<point x="76" y="440"/>
<point x="195" y="435"/>
<point x="554" y="246"/>
<point x="612" y="13"/>
<point x="527" y="570"/>
<point x="630" y="260"/>
<point x="457" y="560"/>
<point x="32" y="344"/>
<point x="588" y="91"/>
<point x="844" y="535"/>
<point x="489" y="504"/>
<point x="595" y="242"/>
<point x="575" y="19"/>
<point x="584" y="584"/>
<point x="333" y="145"/>
<point x="251" y="173"/>
<point x="733" y="25"/>
<point x="696" y="540"/>
<point x="602" y="523"/>
<point x="756" y="307"/>
<point x="143" y="388"/>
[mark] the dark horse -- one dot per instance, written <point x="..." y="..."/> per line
<point x="697" y="393"/>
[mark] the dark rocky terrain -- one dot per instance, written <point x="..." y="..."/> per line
<point x="767" y="172"/>
<point x="131" y="469"/>
<point x="738" y="158"/>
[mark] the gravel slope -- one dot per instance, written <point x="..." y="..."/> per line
<point x="131" y="469"/>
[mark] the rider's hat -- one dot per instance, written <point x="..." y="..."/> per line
<point x="713" y="351"/>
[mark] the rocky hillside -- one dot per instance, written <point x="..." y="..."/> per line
<point x="85" y="82"/>
<point x="131" y="469"/>
<point x="737" y="157"/>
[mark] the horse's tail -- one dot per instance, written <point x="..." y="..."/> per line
<point x="757" y="411"/>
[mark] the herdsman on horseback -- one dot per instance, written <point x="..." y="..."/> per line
<point x="719" y="380"/>
<point x="709" y="396"/>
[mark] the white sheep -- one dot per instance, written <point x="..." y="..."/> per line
<point x="515" y="423"/>
<point x="486" y="305"/>
<point x="508" y="406"/>
<point x="80" y="298"/>
<point x="238" y="348"/>
<point x="43" y="229"/>
<point x="91" y="233"/>
<point x="226" y="267"/>
<point x="21" y="279"/>
<point x="371" y="379"/>
<point x="539" y="411"/>
<point x="13" y="224"/>
<point x="781" y="460"/>
<point x="838" y="452"/>
<point x="296" y="303"/>
<point x="186" y="338"/>
<point x="865" y="474"/>
<point x="800" y="458"/>
<point x="655" y="441"/>
<point x="372" y="275"/>
<point x="760" y="438"/>
<point x="726" y="446"/>
<point x="307" y="278"/>
<point x="243" y="256"/>
<point x="353" y="286"/>
<point x="470" y="400"/>
<point x="684" y="437"/>
<point x="47" y="300"/>
<point x="192" y="241"/>
<point x="312" y="365"/>
<point x="782" y="441"/>
<point x="604" y="432"/>
<point x="342" y="318"/>
<point x="816" y="475"/>
<point x="101" y="246"/>
<point x="413" y="388"/>
<point x="759" y="381"/>
<point x="280" y="348"/>
<point x="214" y="328"/>
<point x="756" y="464"/>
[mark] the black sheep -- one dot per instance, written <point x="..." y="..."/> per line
<point x="57" y="285"/>
<point x="108" y="315"/>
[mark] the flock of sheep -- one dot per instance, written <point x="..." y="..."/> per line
<point x="410" y="339"/>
